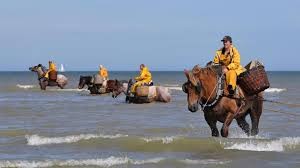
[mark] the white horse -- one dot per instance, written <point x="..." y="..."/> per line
<point x="156" y="93"/>
<point x="61" y="81"/>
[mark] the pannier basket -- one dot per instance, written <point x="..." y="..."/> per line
<point x="53" y="76"/>
<point x="254" y="80"/>
<point x="142" y="91"/>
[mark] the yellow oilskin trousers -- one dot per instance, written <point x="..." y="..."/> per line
<point x="232" y="61"/>
<point x="145" y="77"/>
<point x="137" y="84"/>
<point x="231" y="78"/>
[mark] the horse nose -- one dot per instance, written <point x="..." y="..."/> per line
<point x="193" y="108"/>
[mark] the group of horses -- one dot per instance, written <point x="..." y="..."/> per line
<point x="202" y="87"/>
<point x="116" y="87"/>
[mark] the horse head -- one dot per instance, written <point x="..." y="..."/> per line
<point x="117" y="88"/>
<point x="199" y="86"/>
<point x="33" y="68"/>
<point x="84" y="80"/>
<point x="192" y="88"/>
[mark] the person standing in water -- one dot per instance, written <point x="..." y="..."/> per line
<point x="229" y="56"/>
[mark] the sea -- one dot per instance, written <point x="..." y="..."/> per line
<point x="71" y="128"/>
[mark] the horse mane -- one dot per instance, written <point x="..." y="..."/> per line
<point x="208" y="70"/>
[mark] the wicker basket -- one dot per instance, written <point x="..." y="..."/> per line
<point x="142" y="91"/>
<point x="254" y="80"/>
<point x="52" y="75"/>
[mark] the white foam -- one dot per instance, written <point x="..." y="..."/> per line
<point x="175" y="88"/>
<point x="171" y="85"/>
<point x="275" y="90"/>
<point x="203" y="162"/>
<point x="36" y="140"/>
<point x="68" y="90"/>
<point x="106" y="162"/>
<point x="164" y="140"/>
<point x="25" y="86"/>
<point x="278" y="145"/>
<point x="236" y="134"/>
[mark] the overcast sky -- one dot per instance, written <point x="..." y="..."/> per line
<point x="163" y="34"/>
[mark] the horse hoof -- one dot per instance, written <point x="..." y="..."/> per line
<point x="224" y="134"/>
<point x="254" y="132"/>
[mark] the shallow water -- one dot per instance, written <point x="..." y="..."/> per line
<point x="70" y="128"/>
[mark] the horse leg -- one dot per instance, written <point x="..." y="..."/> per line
<point x="212" y="124"/>
<point x="243" y="124"/>
<point x="43" y="85"/>
<point x="61" y="86"/>
<point x="255" y="114"/>
<point x="227" y="122"/>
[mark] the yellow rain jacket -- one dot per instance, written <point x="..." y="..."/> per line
<point x="52" y="67"/>
<point x="232" y="61"/>
<point x="103" y="73"/>
<point x="145" y="77"/>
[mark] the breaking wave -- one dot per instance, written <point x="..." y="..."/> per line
<point x="106" y="162"/>
<point x="175" y="88"/>
<point x="277" y="145"/>
<point x="164" y="140"/>
<point x="275" y="90"/>
<point x="235" y="142"/>
<point x="36" y="140"/>
<point x="25" y="86"/>
<point x="270" y="90"/>
<point x="68" y="90"/>
<point x="103" y="162"/>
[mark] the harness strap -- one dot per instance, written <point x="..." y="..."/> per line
<point x="219" y="93"/>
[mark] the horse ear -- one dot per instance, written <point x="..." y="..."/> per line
<point x="186" y="72"/>
<point x="196" y="69"/>
<point x="190" y="76"/>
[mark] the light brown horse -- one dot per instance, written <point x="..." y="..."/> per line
<point x="201" y="89"/>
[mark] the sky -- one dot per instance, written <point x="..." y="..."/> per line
<point x="163" y="34"/>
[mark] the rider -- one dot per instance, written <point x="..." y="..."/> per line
<point x="229" y="56"/>
<point x="145" y="78"/>
<point x="104" y="74"/>
<point x="51" y="70"/>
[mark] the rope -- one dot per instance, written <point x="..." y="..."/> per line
<point x="283" y="112"/>
<point x="277" y="102"/>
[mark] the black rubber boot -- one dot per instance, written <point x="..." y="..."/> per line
<point x="231" y="90"/>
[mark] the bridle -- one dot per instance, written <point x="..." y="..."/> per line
<point x="218" y="89"/>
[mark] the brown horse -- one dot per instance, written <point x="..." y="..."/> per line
<point x="202" y="88"/>
<point x="95" y="89"/>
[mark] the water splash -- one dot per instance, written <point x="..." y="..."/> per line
<point x="277" y="145"/>
<point x="36" y="140"/>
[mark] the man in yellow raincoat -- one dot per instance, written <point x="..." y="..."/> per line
<point x="52" y="68"/>
<point x="145" y="78"/>
<point x="104" y="74"/>
<point x="229" y="56"/>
